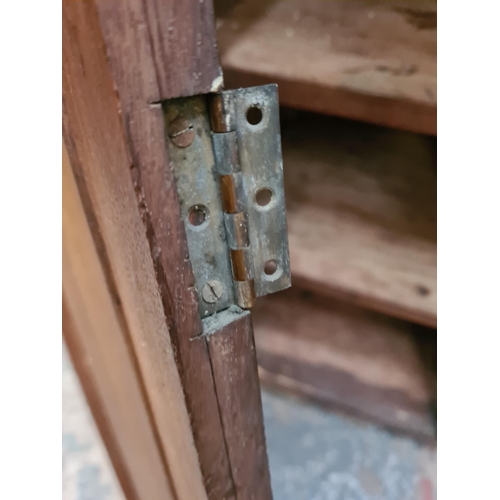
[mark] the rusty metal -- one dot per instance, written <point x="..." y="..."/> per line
<point x="251" y="153"/>
<point x="221" y="112"/>
<point x="228" y="194"/>
<point x="241" y="265"/>
<point x="245" y="293"/>
<point x="236" y="230"/>
<point x="226" y="149"/>
<point x="198" y="189"/>
<point x="225" y="143"/>
<point x="181" y="132"/>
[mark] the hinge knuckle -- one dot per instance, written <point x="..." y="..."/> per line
<point x="236" y="230"/>
<point x="226" y="152"/>
<point x="245" y="293"/>
<point x="231" y="188"/>
<point x="222" y="112"/>
<point x="228" y="167"/>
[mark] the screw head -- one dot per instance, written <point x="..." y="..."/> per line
<point x="181" y="132"/>
<point x="212" y="291"/>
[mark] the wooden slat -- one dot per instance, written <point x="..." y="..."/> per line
<point x="361" y="204"/>
<point x="101" y="161"/>
<point x="232" y="352"/>
<point x="348" y="358"/>
<point x="368" y="60"/>
<point x="103" y="359"/>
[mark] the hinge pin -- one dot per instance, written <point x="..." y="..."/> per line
<point x="224" y="139"/>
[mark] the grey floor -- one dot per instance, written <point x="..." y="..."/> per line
<point x="314" y="454"/>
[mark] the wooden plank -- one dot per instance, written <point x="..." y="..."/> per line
<point x="134" y="68"/>
<point x="232" y="352"/>
<point x="125" y="58"/>
<point x="367" y="60"/>
<point x="101" y="161"/>
<point x="361" y="203"/>
<point x="103" y="359"/>
<point x="348" y="358"/>
<point x="174" y="41"/>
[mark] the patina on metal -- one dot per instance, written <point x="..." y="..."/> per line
<point x="198" y="189"/>
<point x="253" y="128"/>
<point x="226" y="151"/>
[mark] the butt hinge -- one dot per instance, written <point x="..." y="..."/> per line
<point x="226" y="155"/>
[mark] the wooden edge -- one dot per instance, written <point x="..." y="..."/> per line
<point x="101" y="162"/>
<point x="141" y="84"/>
<point x="344" y="357"/>
<point x="405" y="115"/>
<point x="113" y="127"/>
<point x="368" y="302"/>
<point x="343" y="392"/>
<point x="234" y="366"/>
<point x="103" y="360"/>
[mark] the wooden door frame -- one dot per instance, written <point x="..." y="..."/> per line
<point x="121" y="59"/>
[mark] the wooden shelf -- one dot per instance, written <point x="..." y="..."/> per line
<point x="361" y="208"/>
<point x="367" y="60"/>
<point x="345" y="357"/>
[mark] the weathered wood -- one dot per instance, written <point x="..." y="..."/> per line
<point x="101" y="161"/>
<point x="361" y="204"/>
<point x="348" y="358"/>
<point x="232" y="352"/>
<point x="133" y="64"/>
<point x="126" y="57"/>
<point x="105" y="364"/>
<point x="366" y="60"/>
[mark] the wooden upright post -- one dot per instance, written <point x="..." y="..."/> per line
<point x="121" y="58"/>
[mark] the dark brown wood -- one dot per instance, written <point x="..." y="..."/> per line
<point x="361" y="207"/>
<point x="232" y="352"/>
<point x="348" y="358"/>
<point x="122" y="58"/>
<point x="373" y="61"/>
<point x="138" y="85"/>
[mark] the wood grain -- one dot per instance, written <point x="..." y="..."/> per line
<point x="101" y="161"/>
<point x="361" y="206"/>
<point x="124" y="58"/>
<point x="232" y="352"/>
<point x="133" y="63"/>
<point x="103" y="359"/>
<point x="348" y="358"/>
<point x="367" y="60"/>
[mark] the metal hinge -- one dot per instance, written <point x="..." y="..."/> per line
<point x="226" y="153"/>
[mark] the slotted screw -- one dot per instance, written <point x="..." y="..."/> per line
<point x="212" y="291"/>
<point x="181" y="132"/>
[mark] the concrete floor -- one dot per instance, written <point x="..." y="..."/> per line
<point x="314" y="454"/>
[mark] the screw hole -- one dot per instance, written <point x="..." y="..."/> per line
<point x="197" y="215"/>
<point x="254" y="115"/>
<point x="263" y="197"/>
<point x="270" y="268"/>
